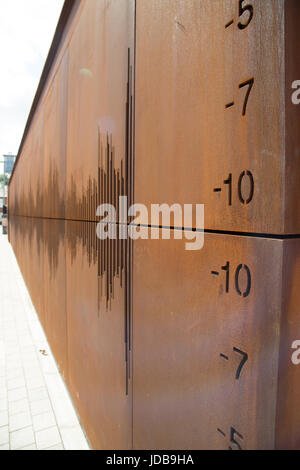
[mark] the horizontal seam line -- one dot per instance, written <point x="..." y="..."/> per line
<point x="190" y="229"/>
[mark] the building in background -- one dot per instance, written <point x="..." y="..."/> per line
<point x="8" y="162"/>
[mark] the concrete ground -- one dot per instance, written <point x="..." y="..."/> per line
<point x="36" y="412"/>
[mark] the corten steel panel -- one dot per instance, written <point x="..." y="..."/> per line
<point x="27" y="235"/>
<point x="100" y="106"/>
<point x="81" y="290"/>
<point x="192" y="327"/>
<point x="98" y="340"/>
<point x="27" y="185"/>
<point x="55" y="314"/>
<point x="57" y="50"/>
<point x="17" y="186"/>
<point x="35" y="180"/>
<point x="292" y="65"/>
<point x="55" y="141"/>
<point x="90" y="105"/>
<point x="189" y="67"/>
<point x="190" y="333"/>
<point x="288" y="410"/>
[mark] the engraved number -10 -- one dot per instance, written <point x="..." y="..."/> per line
<point x="241" y="268"/>
<point x="243" y="198"/>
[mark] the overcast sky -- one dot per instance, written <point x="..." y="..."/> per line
<point x="26" y="32"/>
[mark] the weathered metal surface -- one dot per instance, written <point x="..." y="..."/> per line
<point x="55" y="285"/>
<point x="55" y="144"/>
<point x="98" y="336"/>
<point x="288" y="396"/>
<point x="100" y="106"/>
<point x="39" y="245"/>
<point x="79" y="151"/>
<point x="193" y="143"/>
<point x="78" y="154"/>
<point x="26" y="188"/>
<point x="292" y="124"/>
<point x="67" y="17"/>
<point x="26" y="237"/>
<point x="82" y="294"/>
<point x="213" y="329"/>
<point x="196" y="317"/>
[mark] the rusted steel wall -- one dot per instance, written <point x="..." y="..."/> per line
<point x="197" y="317"/>
<point x="169" y="101"/>
<point x="197" y="137"/>
<point x="78" y="154"/>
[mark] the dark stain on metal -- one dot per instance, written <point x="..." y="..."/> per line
<point x="181" y="26"/>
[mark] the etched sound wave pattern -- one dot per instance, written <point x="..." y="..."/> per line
<point x="113" y="256"/>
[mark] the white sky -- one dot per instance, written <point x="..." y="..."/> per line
<point x="26" y="31"/>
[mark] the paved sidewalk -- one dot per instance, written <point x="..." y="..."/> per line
<point x="36" y="412"/>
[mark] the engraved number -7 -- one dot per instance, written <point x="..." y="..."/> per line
<point x="250" y="84"/>
<point x="242" y="363"/>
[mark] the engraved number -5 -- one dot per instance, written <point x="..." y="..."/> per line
<point x="243" y="9"/>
